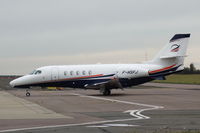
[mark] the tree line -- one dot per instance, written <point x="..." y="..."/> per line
<point x="190" y="70"/>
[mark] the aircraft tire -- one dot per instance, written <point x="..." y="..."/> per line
<point x="106" y="92"/>
<point x="28" y="94"/>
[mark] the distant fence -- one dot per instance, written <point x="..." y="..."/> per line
<point x="9" y="76"/>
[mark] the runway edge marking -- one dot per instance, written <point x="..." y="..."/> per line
<point x="135" y="113"/>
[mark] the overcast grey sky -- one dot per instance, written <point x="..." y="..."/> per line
<point x="34" y="33"/>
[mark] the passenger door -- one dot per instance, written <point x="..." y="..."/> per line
<point x="54" y="74"/>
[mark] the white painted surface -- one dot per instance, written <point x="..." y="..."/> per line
<point x="12" y="107"/>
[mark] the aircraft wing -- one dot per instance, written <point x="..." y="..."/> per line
<point x="109" y="82"/>
<point x="96" y="85"/>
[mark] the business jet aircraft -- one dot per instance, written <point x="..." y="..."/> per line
<point x="105" y="77"/>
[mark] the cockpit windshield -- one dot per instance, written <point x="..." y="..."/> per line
<point x="36" y="72"/>
<point x="32" y="72"/>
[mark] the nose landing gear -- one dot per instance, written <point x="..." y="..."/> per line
<point x="28" y="94"/>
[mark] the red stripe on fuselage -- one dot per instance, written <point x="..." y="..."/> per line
<point x="92" y="76"/>
<point x="163" y="69"/>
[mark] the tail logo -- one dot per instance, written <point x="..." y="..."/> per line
<point x="175" y="48"/>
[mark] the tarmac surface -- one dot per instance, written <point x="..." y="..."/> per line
<point x="152" y="107"/>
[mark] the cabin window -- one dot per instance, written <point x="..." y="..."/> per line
<point x="83" y="72"/>
<point x="77" y="72"/>
<point x="90" y="72"/>
<point x="71" y="72"/>
<point x="65" y="73"/>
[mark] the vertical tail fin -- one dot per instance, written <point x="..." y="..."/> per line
<point x="174" y="52"/>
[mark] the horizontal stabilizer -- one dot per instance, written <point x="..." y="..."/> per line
<point x="172" y="56"/>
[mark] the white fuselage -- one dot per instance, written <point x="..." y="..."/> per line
<point x="90" y="74"/>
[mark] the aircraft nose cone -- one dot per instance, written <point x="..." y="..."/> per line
<point x="12" y="83"/>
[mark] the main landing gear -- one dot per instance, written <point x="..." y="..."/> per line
<point x="105" y="92"/>
<point x="28" y="94"/>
